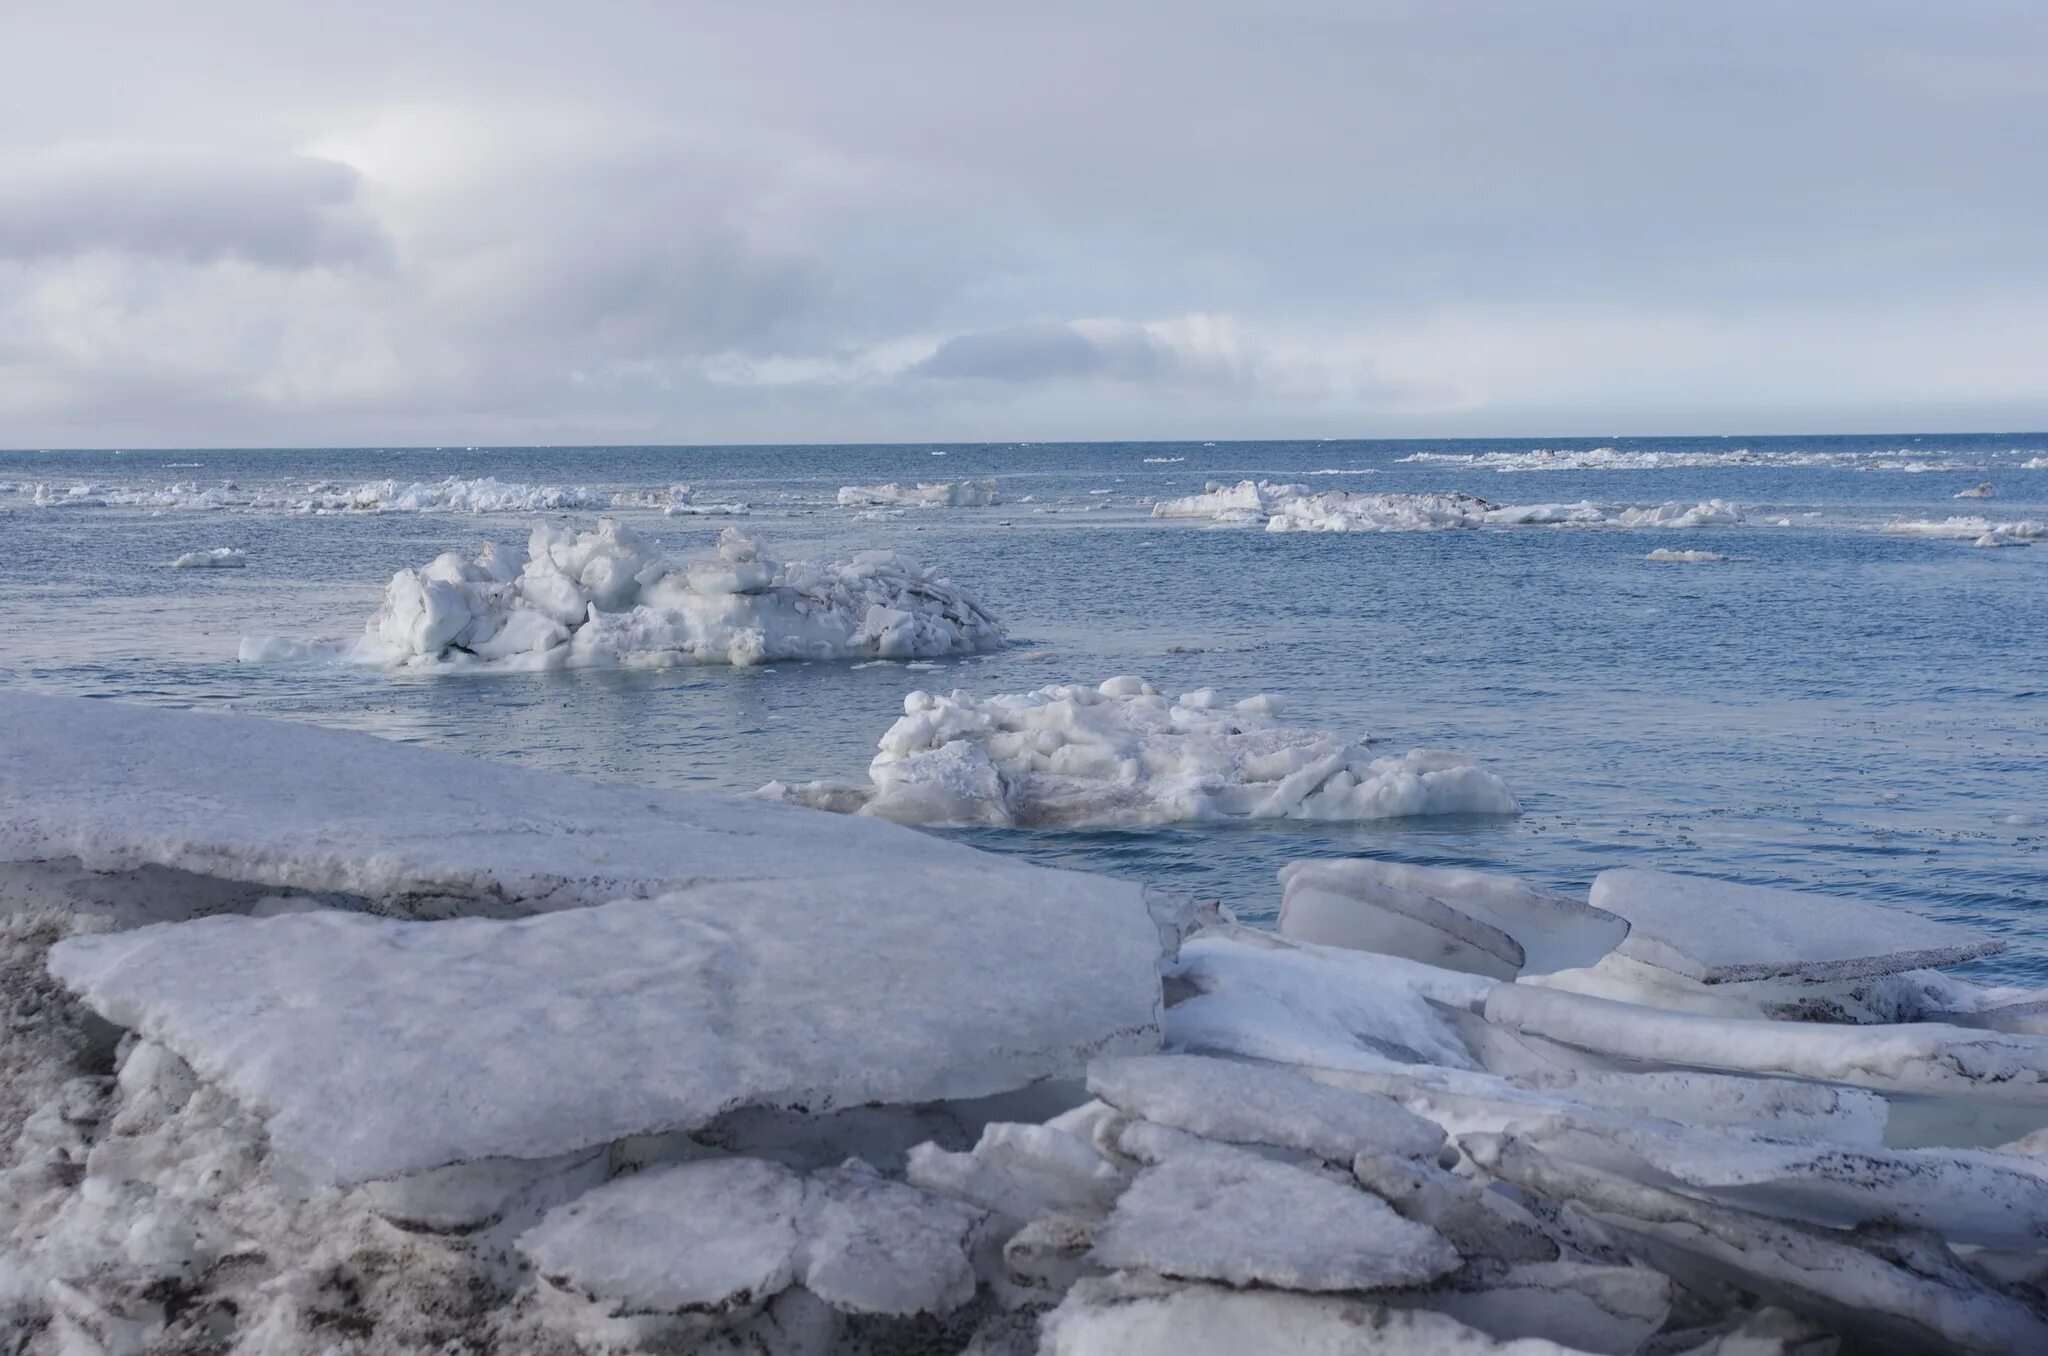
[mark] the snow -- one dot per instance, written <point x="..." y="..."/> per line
<point x="946" y="494"/>
<point x="219" y="558"/>
<point x="1718" y="931"/>
<point x="1238" y="1103"/>
<point x="1126" y="1316"/>
<point x="1685" y="557"/>
<point x="1125" y="754"/>
<point x="1208" y="1214"/>
<point x="609" y="598"/>
<point x="1462" y="920"/>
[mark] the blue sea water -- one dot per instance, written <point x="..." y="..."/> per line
<point x="1833" y="708"/>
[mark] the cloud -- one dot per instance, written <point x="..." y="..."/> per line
<point x="280" y="210"/>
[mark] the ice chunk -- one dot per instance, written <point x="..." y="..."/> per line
<point x="1211" y="1215"/>
<point x="1247" y="497"/>
<point x="1927" y="1058"/>
<point x="1249" y="1104"/>
<point x="1718" y="931"/>
<point x="2025" y="529"/>
<point x="121" y="788"/>
<point x="1668" y="557"/>
<point x="2001" y="536"/>
<point x="716" y="1238"/>
<point x="1707" y="513"/>
<point x="608" y="598"/>
<point x="1916" y="1296"/>
<point x="1585" y="1307"/>
<point x="872" y="1246"/>
<point x="1964" y="1195"/>
<point x="1143" y="1316"/>
<point x="1023" y="1171"/>
<point x="1294" y="1003"/>
<point x="954" y="494"/>
<point x="1353" y="511"/>
<point x="1464" y="920"/>
<point x="219" y="558"/>
<point x="1982" y="490"/>
<point x="1125" y="754"/>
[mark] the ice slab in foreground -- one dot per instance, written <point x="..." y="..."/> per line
<point x="948" y="494"/>
<point x="1462" y="920"/>
<point x="609" y="598"/>
<point x="1125" y="754"/>
<point x="122" y="787"/>
<point x="377" y="1047"/>
<point x="1720" y="932"/>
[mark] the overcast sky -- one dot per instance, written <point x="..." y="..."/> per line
<point x="420" y="222"/>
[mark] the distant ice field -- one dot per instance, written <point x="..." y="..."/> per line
<point x="1835" y="706"/>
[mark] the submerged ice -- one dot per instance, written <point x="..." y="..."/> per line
<point x="1125" y="754"/>
<point x="609" y="598"/>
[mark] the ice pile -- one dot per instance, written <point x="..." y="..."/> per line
<point x="386" y="1065"/>
<point x="452" y="495"/>
<point x="1248" y="501"/>
<point x="1126" y="755"/>
<point x="219" y="558"/>
<point x="1708" y="513"/>
<point x="1348" y="511"/>
<point x="1666" y="556"/>
<point x="950" y="494"/>
<point x="425" y="1055"/>
<point x="608" y="598"/>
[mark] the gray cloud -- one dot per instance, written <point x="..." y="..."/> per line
<point x="828" y="221"/>
<point x="283" y="210"/>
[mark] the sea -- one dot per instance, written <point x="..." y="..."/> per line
<point x="1854" y="701"/>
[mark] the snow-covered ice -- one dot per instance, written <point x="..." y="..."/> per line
<point x="946" y="494"/>
<point x="1125" y="754"/>
<point x="1718" y="931"/>
<point x="219" y="558"/>
<point x="609" y="598"/>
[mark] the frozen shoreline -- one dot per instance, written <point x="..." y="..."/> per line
<point x="418" y="1048"/>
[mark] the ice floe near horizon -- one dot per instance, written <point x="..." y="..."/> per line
<point x="452" y="495"/>
<point x="609" y="598"/>
<point x="219" y="558"/>
<point x="946" y="494"/>
<point x="895" y="1095"/>
<point x="1295" y="508"/>
<point x="1125" y="755"/>
<point x="1615" y="459"/>
<point x="2025" y="529"/>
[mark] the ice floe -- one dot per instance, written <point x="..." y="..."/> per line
<point x="219" y="558"/>
<point x="945" y="494"/>
<point x="1350" y="511"/>
<point x="1248" y="501"/>
<point x="609" y="598"/>
<point x="1980" y="491"/>
<point x="1126" y="754"/>
<point x="1685" y="557"/>
<point x="2023" y="529"/>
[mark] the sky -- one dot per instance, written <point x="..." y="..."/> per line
<point x="257" y="224"/>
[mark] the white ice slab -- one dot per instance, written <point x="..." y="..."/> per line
<point x="1464" y="920"/>
<point x="376" y="1047"/>
<point x="272" y="803"/>
<point x="1922" y="1057"/>
<point x="1716" y="931"/>
<point x="1228" y="1215"/>
<point x="1241" y="1103"/>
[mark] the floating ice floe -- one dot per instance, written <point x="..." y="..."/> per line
<point x="2035" y="464"/>
<point x="1981" y="491"/>
<point x="951" y="494"/>
<point x="219" y="558"/>
<point x="1246" y="501"/>
<point x="2002" y="536"/>
<point x="608" y="598"/>
<point x="1706" y="513"/>
<point x="1125" y="754"/>
<point x="1685" y="557"/>
<point x="486" y="494"/>
<point x="1350" y="511"/>
<point x="2023" y="529"/>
